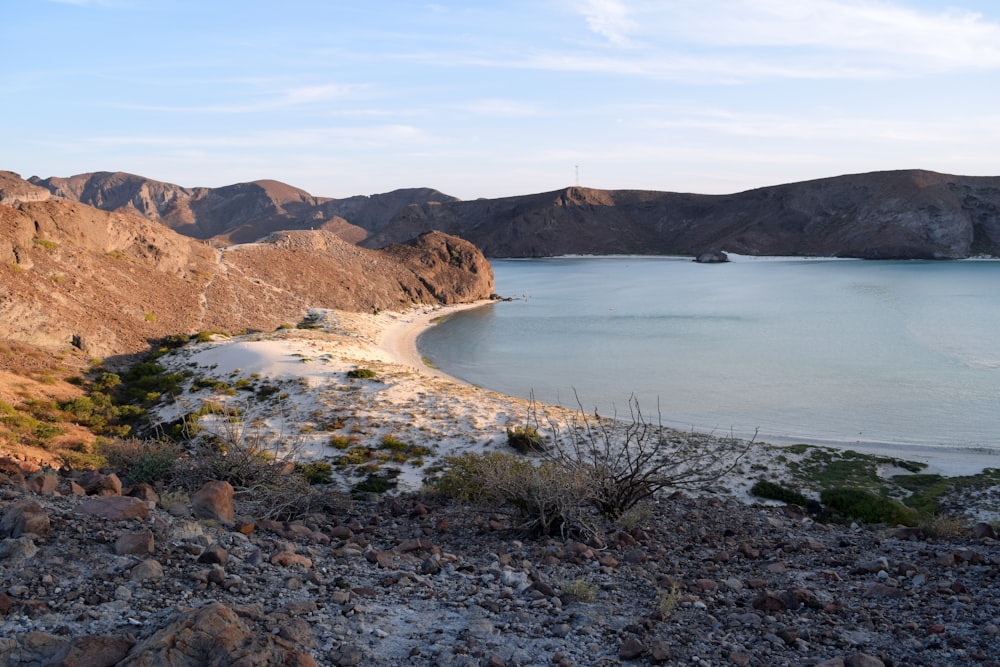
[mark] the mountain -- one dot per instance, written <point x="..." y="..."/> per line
<point x="239" y="213"/>
<point x="882" y="215"/>
<point x="109" y="283"/>
<point x="879" y="215"/>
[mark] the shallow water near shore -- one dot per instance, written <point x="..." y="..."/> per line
<point x="874" y="354"/>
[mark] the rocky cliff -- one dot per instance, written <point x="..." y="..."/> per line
<point x="898" y="214"/>
<point x="109" y="283"/>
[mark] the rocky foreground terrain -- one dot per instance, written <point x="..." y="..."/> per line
<point x="95" y="574"/>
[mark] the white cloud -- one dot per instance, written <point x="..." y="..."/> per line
<point x="608" y="18"/>
<point x="760" y="39"/>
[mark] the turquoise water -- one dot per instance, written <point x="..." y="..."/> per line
<point x="826" y="351"/>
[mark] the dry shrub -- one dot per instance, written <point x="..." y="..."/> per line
<point x="141" y="461"/>
<point x="629" y="460"/>
<point x="542" y="498"/>
<point x="236" y="447"/>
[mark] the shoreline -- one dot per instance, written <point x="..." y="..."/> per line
<point x="398" y="341"/>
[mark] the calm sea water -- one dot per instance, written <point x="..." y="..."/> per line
<point x="823" y="351"/>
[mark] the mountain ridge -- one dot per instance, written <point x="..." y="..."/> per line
<point x="903" y="214"/>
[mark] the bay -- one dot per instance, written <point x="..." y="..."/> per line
<point x="840" y="352"/>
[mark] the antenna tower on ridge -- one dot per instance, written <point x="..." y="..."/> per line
<point x="577" y="175"/>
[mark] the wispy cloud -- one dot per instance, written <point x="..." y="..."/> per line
<point x="320" y="138"/>
<point x="744" y="39"/>
<point x="609" y="19"/>
<point x="271" y="101"/>
<point x="502" y="107"/>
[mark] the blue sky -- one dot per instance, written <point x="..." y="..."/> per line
<point x="488" y="99"/>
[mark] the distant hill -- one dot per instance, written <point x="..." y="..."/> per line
<point x="895" y="214"/>
<point x="900" y="214"/>
<point x="239" y="213"/>
<point x="110" y="283"/>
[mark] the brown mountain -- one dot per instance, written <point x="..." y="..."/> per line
<point x="900" y="214"/>
<point x="110" y="282"/>
<point x="897" y="214"/>
<point x="240" y="213"/>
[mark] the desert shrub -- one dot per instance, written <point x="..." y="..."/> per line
<point x="235" y="447"/>
<point x="867" y="506"/>
<point x="362" y="374"/>
<point x="629" y="460"/>
<point x="374" y="483"/>
<point x="141" y="461"/>
<point x="175" y="340"/>
<point x="943" y="526"/>
<point x="579" y="590"/>
<point x="666" y="602"/>
<point x="340" y="442"/>
<point x="356" y="456"/>
<point x="525" y="439"/>
<point x="316" y="472"/>
<point x="774" y="491"/>
<point x="542" y="498"/>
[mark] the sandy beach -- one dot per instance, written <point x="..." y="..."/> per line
<point x="312" y="409"/>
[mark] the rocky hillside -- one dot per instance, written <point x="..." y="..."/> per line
<point x="239" y="213"/>
<point x="904" y="214"/>
<point x="96" y="573"/>
<point x="109" y="283"/>
<point x="898" y="214"/>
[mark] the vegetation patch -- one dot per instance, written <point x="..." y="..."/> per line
<point x="854" y="503"/>
<point x="775" y="491"/>
<point x="362" y="374"/>
<point x="525" y="439"/>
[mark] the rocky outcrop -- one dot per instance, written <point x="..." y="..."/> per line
<point x="14" y="190"/>
<point x="712" y="257"/>
<point x="452" y="270"/>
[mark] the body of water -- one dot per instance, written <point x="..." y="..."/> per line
<point x="821" y="351"/>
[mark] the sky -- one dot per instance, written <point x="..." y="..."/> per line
<point x="495" y="98"/>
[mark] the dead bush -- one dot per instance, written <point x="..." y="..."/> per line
<point x="629" y="460"/>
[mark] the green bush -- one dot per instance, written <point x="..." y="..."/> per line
<point x="867" y="506"/>
<point x="316" y="472"/>
<point x="774" y="491"/>
<point x="141" y="461"/>
<point x="362" y="374"/>
<point x="525" y="439"/>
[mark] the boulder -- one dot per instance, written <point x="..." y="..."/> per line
<point x="24" y="516"/>
<point x="92" y="651"/>
<point x="214" y="634"/>
<point x="115" y="508"/>
<point x="96" y="483"/>
<point x="137" y="543"/>
<point x="214" y="500"/>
